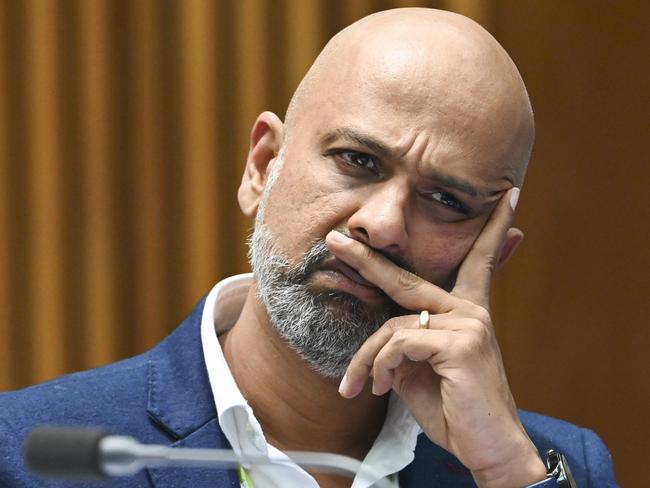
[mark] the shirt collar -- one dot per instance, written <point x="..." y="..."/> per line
<point x="222" y="308"/>
<point x="393" y="449"/>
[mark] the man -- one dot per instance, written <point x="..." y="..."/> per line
<point x="382" y="208"/>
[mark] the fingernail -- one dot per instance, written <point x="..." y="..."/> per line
<point x="344" y="385"/>
<point x="514" y="197"/>
<point x="339" y="237"/>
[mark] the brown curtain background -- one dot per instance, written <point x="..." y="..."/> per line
<point x="124" y="129"/>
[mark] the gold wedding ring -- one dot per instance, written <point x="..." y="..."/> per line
<point x="424" y="319"/>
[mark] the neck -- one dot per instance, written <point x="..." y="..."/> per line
<point x="297" y="408"/>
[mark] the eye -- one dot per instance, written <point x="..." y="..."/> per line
<point x="359" y="159"/>
<point x="447" y="200"/>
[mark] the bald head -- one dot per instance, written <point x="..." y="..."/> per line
<point x="433" y="65"/>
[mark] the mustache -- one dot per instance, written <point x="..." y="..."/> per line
<point x="319" y="253"/>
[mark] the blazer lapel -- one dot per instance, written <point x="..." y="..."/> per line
<point x="180" y="404"/>
<point x="434" y="466"/>
<point x="209" y="435"/>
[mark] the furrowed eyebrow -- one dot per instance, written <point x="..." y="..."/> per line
<point x="356" y="137"/>
<point x="447" y="181"/>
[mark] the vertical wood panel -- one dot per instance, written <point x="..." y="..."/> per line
<point x="99" y="304"/>
<point x="201" y="248"/>
<point x="148" y="173"/>
<point x="6" y="344"/>
<point x="123" y="191"/>
<point x="46" y="270"/>
<point x="20" y="310"/>
<point x="304" y="31"/>
<point x="251" y="71"/>
<point x="353" y="10"/>
<point x="478" y="10"/>
<point x="69" y="117"/>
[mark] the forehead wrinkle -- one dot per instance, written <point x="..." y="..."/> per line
<point x="408" y="144"/>
<point x="415" y="146"/>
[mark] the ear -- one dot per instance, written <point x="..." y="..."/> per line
<point x="513" y="239"/>
<point x="266" y="139"/>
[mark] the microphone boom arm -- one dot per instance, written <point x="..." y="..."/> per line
<point x="73" y="452"/>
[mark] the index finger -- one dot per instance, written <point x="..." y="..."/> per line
<point x="405" y="288"/>
<point x="475" y="273"/>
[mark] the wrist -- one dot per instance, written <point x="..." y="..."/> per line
<point x="523" y="470"/>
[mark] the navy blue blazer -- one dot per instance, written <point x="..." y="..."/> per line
<point x="164" y="397"/>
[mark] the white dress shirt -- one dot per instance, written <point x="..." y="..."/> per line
<point x="392" y="451"/>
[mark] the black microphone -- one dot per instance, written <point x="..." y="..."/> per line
<point x="65" y="452"/>
<point x="91" y="453"/>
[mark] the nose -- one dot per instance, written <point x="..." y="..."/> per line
<point x="380" y="219"/>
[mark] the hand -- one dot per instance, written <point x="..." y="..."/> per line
<point x="451" y="375"/>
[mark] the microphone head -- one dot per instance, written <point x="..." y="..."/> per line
<point x="65" y="452"/>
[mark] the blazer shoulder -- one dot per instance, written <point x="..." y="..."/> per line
<point x="113" y="397"/>
<point x="588" y="457"/>
<point x="67" y="396"/>
<point x="120" y="389"/>
<point x="158" y="397"/>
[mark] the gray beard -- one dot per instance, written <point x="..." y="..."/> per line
<point x="325" y="328"/>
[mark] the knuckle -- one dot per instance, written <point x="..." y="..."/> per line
<point x="478" y="312"/>
<point x="485" y="334"/>
<point x="401" y="336"/>
<point x="394" y="324"/>
<point x="470" y="346"/>
<point x="474" y="325"/>
<point x="465" y="304"/>
<point x="480" y="335"/>
<point x="476" y="336"/>
<point x="379" y="363"/>
<point x="407" y="280"/>
<point x="482" y="331"/>
<point x="481" y="314"/>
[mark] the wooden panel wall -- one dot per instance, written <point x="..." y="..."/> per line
<point x="574" y="302"/>
<point x="123" y="131"/>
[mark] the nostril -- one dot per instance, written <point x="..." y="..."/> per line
<point x="361" y="234"/>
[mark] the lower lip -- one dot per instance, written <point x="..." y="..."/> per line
<point x="343" y="283"/>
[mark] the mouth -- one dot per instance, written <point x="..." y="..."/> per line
<point x="349" y="280"/>
<point x="339" y="266"/>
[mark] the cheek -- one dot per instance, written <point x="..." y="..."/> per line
<point x="442" y="252"/>
<point x="302" y="208"/>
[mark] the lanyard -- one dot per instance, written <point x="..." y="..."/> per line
<point x="245" y="480"/>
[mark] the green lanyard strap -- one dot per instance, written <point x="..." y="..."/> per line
<point x="245" y="480"/>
